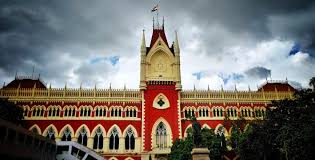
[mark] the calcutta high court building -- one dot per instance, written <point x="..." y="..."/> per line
<point x="134" y="124"/>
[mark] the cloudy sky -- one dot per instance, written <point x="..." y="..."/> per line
<point x="222" y="42"/>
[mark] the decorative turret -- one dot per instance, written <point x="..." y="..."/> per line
<point x="176" y="45"/>
<point x="177" y="62"/>
<point x="143" y="51"/>
<point x="143" y="46"/>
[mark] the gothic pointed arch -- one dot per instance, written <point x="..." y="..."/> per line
<point x="206" y="126"/>
<point x="221" y="129"/>
<point x="98" y="127"/>
<point x="66" y="133"/>
<point x="189" y="127"/>
<point x="82" y="133"/>
<point x="133" y="128"/>
<point x="161" y="101"/>
<point x="161" y="134"/>
<point x="112" y="127"/>
<point x="114" y="133"/>
<point x="35" y="129"/>
<point x="51" y="132"/>
<point x="159" y="46"/>
<point x="98" y="134"/>
<point x="85" y="127"/>
<point x="130" y="134"/>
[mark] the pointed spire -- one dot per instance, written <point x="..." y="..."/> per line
<point x="95" y="86"/>
<point x="249" y="88"/>
<point x="163" y="23"/>
<point x="81" y="85"/>
<point x="176" y="44"/>
<point x="66" y="85"/>
<point x="50" y="86"/>
<point x="194" y="87"/>
<point x="208" y="88"/>
<point x="125" y="86"/>
<point x="221" y="87"/>
<point x="110" y="86"/>
<point x="153" y="23"/>
<point x="143" y="46"/>
<point x="235" y="87"/>
<point x="16" y="74"/>
<point x="3" y="84"/>
<point x="143" y="39"/>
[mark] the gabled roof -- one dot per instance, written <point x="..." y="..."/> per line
<point x="25" y="83"/>
<point x="155" y="35"/>
<point x="272" y="86"/>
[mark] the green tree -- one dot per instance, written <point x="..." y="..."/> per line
<point x="181" y="149"/>
<point x="11" y="112"/>
<point x="287" y="132"/>
<point x="312" y="83"/>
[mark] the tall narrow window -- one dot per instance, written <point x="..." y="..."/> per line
<point x="161" y="136"/>
<point x="127" y="113"/>
<point x="114" y="139"/>
<point x="51" y="133"/>
<point x="66" y="112"/>
<point x="25" y="112"/>
<point x="82" y="139"/>
<point x="98" y="139"/>
<point x="66" y="135"/>
<point x="130" y="140"/>
<point x="135" y="113"/>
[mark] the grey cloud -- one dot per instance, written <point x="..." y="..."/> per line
<point x="258" y="72"/>
<point x="40" y="32"/>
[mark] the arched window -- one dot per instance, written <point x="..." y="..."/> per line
<point x="25" y="111"/>
<point x="161" y="136"/>
<point x="214" y="112"/>
<point x="66" y="135"/>
<point x="135" y="113"/>
<point x="130" y="140"/>
<point x="82" y="139"/>
<point x="127" y="113"/>
<point x="98" y="139"/>
<point x="51" y="133"/>
<point x="114" y="139"/>
<point x="34" y="130"/>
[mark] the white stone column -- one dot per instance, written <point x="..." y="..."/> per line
<point x="121" y="148"/>
<point x="138" y="144"/>
<point x="105" y="144"/>
<point x="90" y="142"/>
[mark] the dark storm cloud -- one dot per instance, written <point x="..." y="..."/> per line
<point x="258" y="72"/>
<point x="249" y="22"/>
<point x="56" y="36"/>
<point x="38" y="33"/>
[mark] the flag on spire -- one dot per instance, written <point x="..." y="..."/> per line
<point x="155" y="8"/>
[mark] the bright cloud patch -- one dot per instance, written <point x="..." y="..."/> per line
<point x="112" y="59"/>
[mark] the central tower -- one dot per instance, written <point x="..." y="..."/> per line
<point x="159" y="62"/>
<point x="160" y="84"/>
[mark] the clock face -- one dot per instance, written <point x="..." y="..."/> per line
<point x="161" y="102"/>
